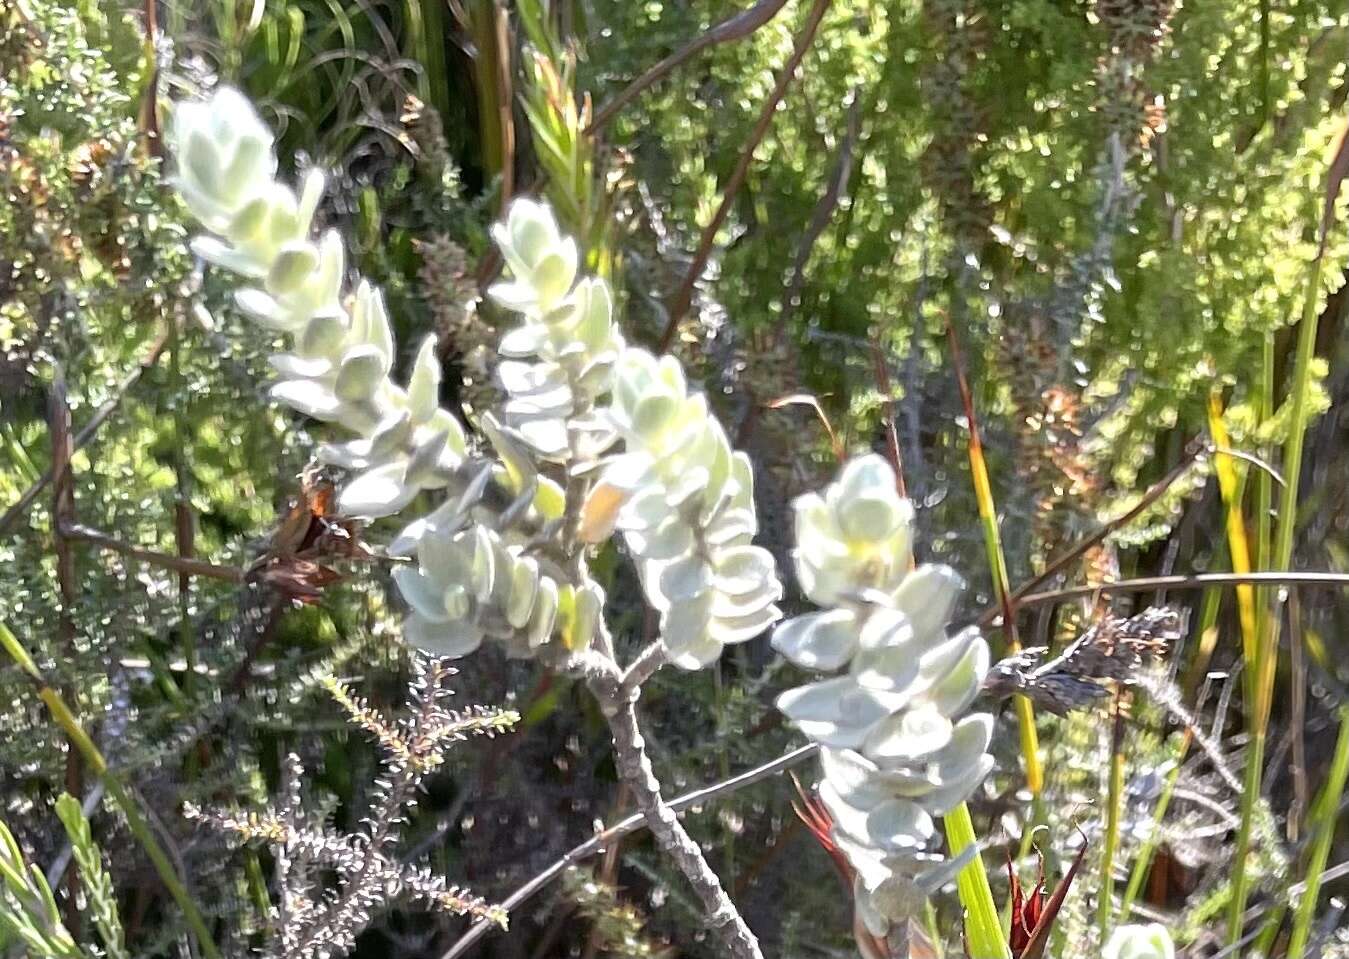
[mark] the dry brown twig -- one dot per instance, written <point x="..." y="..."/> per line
<point x="735" y="27"/>
<point x="683" y="297"/>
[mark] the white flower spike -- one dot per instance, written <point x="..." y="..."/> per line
<point x="896" y="749"/>
<point x="343" y="349"/>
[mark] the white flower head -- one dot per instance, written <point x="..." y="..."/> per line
<point x="898" y="750"/>
<point x="857" y="535"/>
<point x="1150" y="941"/>
<point x="224" y="154"/>
<point x="542" y="261"/>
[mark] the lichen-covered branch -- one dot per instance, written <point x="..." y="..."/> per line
<point x="619" y="705"/>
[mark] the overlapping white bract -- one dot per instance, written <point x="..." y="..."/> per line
<point x="687" y="512"/>
<point x="682" y="497"/>
<point x="558" y="361"/>
<point x="470" y="583"/>
<point x="470" y="580"/>
<point x="1151" y="941"/>
<point x="338" y="369"/>
<point x="896" y="750"/>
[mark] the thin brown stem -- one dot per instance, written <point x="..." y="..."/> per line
<point x="1146" y="584"/>
<point x="183" y="566"/>
<point x="63" y="511"/>
<point x="736" y="27"/>
<point x="1070" y="556"/>
<point x="86" y="434"/>
<point x="683" y="297"/>
<point x="824" y="209"/>
<point x="647" y="664"/>
<point x="597" y="843"/>
<point x="619" y="706"/>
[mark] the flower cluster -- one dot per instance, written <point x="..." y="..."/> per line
<point x="471" y="577"/>
<point x="682" y="497"/>
<point x="338" y="370"/>
<point x="685" y="502"/>
<point x="470" y="582"/>
<point x="558" y="361"/>
<point x="895" y="749"/>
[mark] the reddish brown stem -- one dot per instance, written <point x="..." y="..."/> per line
<point x="63" y="511"/>
<point x="679" y="304"/>
<point x="86" y="434"/>
<point x="736" y="27"/>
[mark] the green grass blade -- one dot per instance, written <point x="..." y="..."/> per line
<point x="1262" y="683"/>
<point x="1325" y="816"/>
<point x="116" y="791"/>
<point x="983" y="931"/>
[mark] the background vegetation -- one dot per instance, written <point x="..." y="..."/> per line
<point x="1113" y="207"/>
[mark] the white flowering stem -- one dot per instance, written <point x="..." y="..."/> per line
<point x="619" y="705"/>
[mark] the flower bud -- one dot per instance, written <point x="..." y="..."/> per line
<point x="1140" y="942"/>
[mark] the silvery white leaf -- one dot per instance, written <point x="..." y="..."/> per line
<point x="899" y="897"/>
<point x="223" y="255"/>
<point x="849" y="820"/>
<point x="523" y="341"/>
<point x="362" y="370"/>
<point x="265" y="310"/>
<point x="684" y="625"/>
<point x="425" y="458"/>
<point x="425" y="597"/>
<point x="683" y="579"/>
<point x="957" y="688"/>
<point x="940" y="800"/>
<point x="835" y="712"/>
<point x="898" y="824"/>
<point x="377" y="492"/>
<point x="547" y="437"/>
<point x="731" y="527"/>
<point x="424" y="382"/>
<point x="524" y="587"/>
<point x="856" y="779"/>
<point x="691" y="483"/>
<point x="453" y="639"/>
<point x="876" y="923"/>
<point x="669" y="541"/>
<point x="936" y="663"/>
<point x="743" y="628"/>
<point x="733" y="606"/>
<point x="908" y="736"/>
<point x="293" y="265"/>
<point x="545" y="612"/>
<point x="823" y="641"/>
<point x="484" y="563"/>
<point x="310" y="398"/>
<point x="927" y="596"/>
<point x="517" y="297"/>
<point x="292" y="367"/>
<point x="892" y="669"/>
<point x="697" y="654"/>
<point x="885" y="628"/>
<point x="745" y="569"/>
